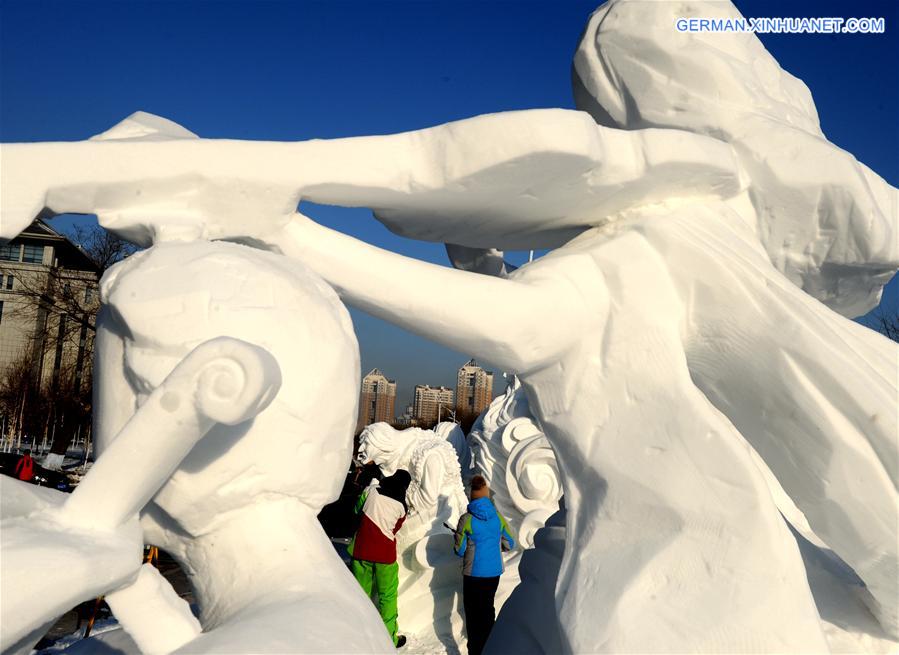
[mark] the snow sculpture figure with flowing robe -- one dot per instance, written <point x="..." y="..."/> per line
<point x="706" y="234"/>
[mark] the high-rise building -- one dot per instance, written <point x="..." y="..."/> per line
<point x="474" y="389"/>
<point x="377" y="400"/>
<point x="431" y="403"/>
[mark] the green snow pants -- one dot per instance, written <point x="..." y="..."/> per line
<point x="386" y="580"/>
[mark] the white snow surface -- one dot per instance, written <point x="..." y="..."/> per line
<point x="690" y="322"/>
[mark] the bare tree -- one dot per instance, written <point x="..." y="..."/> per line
<point x="102" y="247"/>
<point x="70" y="293"/>
<point x="887" y="323"/>
<point x="17" y="396"/>
<point x="61" y="304"/>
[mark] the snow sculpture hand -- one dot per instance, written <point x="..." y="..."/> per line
<point x="91" y="544"/>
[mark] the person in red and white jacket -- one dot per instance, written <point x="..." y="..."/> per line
<point x="373" y="550"/>
<point x="25" y="467"/>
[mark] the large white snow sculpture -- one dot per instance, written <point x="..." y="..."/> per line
<point x="666" y="508"/>
<point x="515" y="458"/>
<point x="238" y="511"/>
<point x="428" y="601"/>
<point x="826" y="221"/>
<point x="239" y="514"/>
<point x="671" y="324"/>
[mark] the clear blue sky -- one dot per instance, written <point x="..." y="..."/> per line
<point x="299" y="70"/>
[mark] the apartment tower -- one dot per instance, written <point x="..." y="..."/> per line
<point x="377" y="399"/>
<point x="430" y="404"/>
<point x="474" y="389"/>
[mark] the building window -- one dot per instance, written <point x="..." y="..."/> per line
<point x="10" y="252"/>
<point x="32" y="254"/>
<point x="9" y="281"/>
<point x="1" y="311"/>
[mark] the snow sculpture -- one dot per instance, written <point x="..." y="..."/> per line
<point x="429" y="571"/>
<point x="826" y="221"/>
<point x="240" y="514"/>
<point x="527" y="621"/>
<point x="239" y="509"/>
<point x="696" y="222"/>
<point x="436" y="493"/>
<point x="453" y="433"/>
<point x="515" y="458"/>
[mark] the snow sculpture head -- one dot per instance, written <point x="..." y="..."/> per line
<point x="826" y="220"/>
<point x="161" y="303"/>
<point x="381" y="444"/>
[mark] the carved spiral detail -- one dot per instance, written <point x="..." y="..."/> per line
<point x="236" y="381"/>
<point x="517" y="431"/>
<point x="532" y="475"/>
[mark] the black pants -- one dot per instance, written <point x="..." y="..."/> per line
<point x="477" y="600"/>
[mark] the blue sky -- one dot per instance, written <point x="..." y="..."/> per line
<point x="299" y="70"/>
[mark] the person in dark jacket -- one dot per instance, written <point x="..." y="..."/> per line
<point x="373" y="549"/>
<point x="481" y="536"/>
<point x="25" y="467"/>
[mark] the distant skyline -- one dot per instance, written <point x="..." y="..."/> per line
<point x="401" y="400"/>
<point x="301" y="70"/>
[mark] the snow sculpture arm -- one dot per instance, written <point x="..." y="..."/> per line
<point x="149" y="178"/>
<point x="91" y="544"/>
<point x="171" y="625"/>
<point x="490" y="317"/>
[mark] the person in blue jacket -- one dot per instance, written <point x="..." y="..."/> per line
<point x="481" y="536"/>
